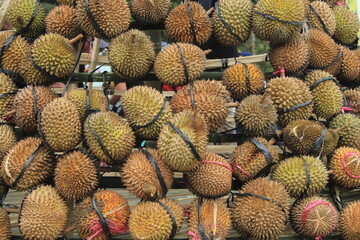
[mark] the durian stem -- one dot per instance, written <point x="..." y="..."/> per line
<point x="210" y="11"/>
<point x="263" y="97"/>
<point x="282" y="73"/>
<point x="12" y="210"/>
<point x="206" y="52"/>
<point x="338" y="130"/>
<point x="75" y="39"/>
<point x="69" y="230"/>
<point x="233" y="104"/>
<point x="272" y="141"/>
<point x="133" y="38"/>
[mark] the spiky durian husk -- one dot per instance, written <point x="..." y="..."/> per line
<point x="25" y="116"/>
<point x="61" y="20"/>
<point x="212" y="87"/>
<point x="215" y="218"/>
<point x="76" y="176"/>
<point x="349" y="221"/>
<point x="235" y="80"/>
<point x="211" y="178"/>
<point x="313" y="217"/>
<point x="237" y="14"/>
<point x="350" y="129"/>
<point x="353" y="99"/>
<point x="5" y="228"/>
<point x="256" y="115"/>
<point x="44" y="214"/>
<point x="270" y="217"/>
<point x="3" y="189"/>
<point x="19" y="14"/>
<point x="115" y="134"/>
<point x="40" y="169"/>
<point x="112" y="16"/>
<point x="60" y="124"/>
<point x="169" y="67"/>
<point x="174" y="149"/>
<point x="251" y="159"/>
<point x="150" y="11"/>
<point x="140" y="178"/>
<point x="7" y="139"/>
<point x="7" y="85"/>
<point x="347" y="24"/>
<point x="328" y="99"/>
<point x="150" y="220"/>
<point x="67" y="2"/>
<point x="112" y="206"/>
<point x="292" y="174"/>
<point x="287" y="92"/>
<point x="345" y="167"/>
<point x="350" y="65"/>
<point x="326" y="15"/>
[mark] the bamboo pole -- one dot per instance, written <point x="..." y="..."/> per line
<point x="94" y="57"/>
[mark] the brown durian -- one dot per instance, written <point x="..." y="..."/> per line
<point x="349" y="221"/>
<point x="8" y="90"/>
<point x="5" y="229"/>
<point x="350" y="129"/>
<point x="323" y="19"/>
<point x="350" y="65"/>
<point x="7" y="138"/>
<point x="150" y="11"/>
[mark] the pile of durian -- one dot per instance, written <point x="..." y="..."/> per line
<point x="299" y="132"/>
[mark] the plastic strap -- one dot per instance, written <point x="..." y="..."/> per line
<point x="186" y="139"/>
<point x="263" y="149"/>
<point x="7" y="94"/>
<point x="247" y="75"/>
<point x="312" y="86"/>
<point x="282" y="111"/>
<point x="157" y="116"/>
<point x="43" y="70"/>
<point x="330" y="64"/>
<point x="160" y="177"/>
<point x="35" y="103"/>
<point x="41" y="132"/>
<point x="94" y="160"/>
<point x="220" y="164"/>
<point x="320" y="19"/>
<point x="200" y="228"/>
<point x="186" y="71"/>
<point x="26" y="166"/>
<point x="87" y="107"/>
<point x="106" y="85"/>
<point x="192" y="98"/>
<point x="27" y="27"/>
<point x="102" y="146"/>
<point x="174" y="224"/>
<point x="192" y="24"/>
<point x="7" y="123"/>
<point x="93" y="21"/>
<point x="103" y="223"/>
<point x="343" y="163"/>
<point x="319" y="141"/>
<point x="90" y="75"/>
<point x="227" y="26"/>
<point x="242" y="170"/>
<point x="276" y="19"/>
<point x="307" y="174"/>
<point x="7" y="43"/>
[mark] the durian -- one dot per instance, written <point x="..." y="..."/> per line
<point x="347" y="25"/>
<point x="76" y="175"/>
<point x="349" y="221"/>
<point x="8" y="90"/>
<point x="150" y="11"/>
<point x="350" y="65"/>
<point x="41" y="167"/>
<point x="212" y="178"/>
<point x="323" y="19"/>
<point x="114" y="133"/>
<point x="211" y="87"/>
<point x="44" y="214"/>
<point x="173" y="148"/>
<point x="169" y="66"/>
<point x="5" y="228"/>
<point x="243" y="79"/>
<point x="67" y="2"/>
<point x="179" y="27"/>
<point x="112" y="17"/>
<point x="3" y="189"/>
<point x="352" y="97"/>
<point x="301" y="176"/>
<point x="150" y="220"/>
<point x="350" y="129"/>
<point x="7" y="138"/>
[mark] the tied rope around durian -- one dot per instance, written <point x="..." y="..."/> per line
<point x="320" y="19"/>
<point x="192" y="24"/>
<point x="200" y="228"/>
<point x="93" y="21"/>
<point x="344" y="164"/>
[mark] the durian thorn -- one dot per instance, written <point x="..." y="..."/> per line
<point x="12" y="210"/>
<point x="206" y="52"/>
<point x="208" y="12"/>
<point x="69" y="230"/>
<point x="272" y="141"/>
<point x="103" y="107"/>
<point x="330" y="172"/>
<point x="233" y="104"/>
<point x="215" y="217"/>
<point x="75" y="39"/>
<point x="133" y="38"/>
<point x="338" y="130"/>
<point x="263" y="97"/>
<point x="152" y="3"/>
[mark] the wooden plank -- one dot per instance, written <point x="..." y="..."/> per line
<point x="3" y="9"/>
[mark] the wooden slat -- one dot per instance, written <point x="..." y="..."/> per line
<point x="4" y="6"/>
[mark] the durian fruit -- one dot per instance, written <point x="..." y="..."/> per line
<point x="282" y="56"/>
<point x="8" y="90"/>
<point x="350" y="65"/>
<point x="211" y="87"/>
<point x="150" y="11"/>
<point x="54" y="54"/>
<point x="328" y="99"/>
<point x="112" y="17"/>
<point x="61" y="20"/>
<point x="294" y="174"/>
<point x="248" y="160"/>
<point x="25" y="116"/>
<point x="76" y="176"/>
<point x="112" y="206"/>
<point x="214" y="218"/>
<point x="270" y="216"/>
<point x="237" y="15"/>
<point x="150" y="220"/>
<point x="349" y="221"/>
<point x="326" y="17"/>
<point x="19" y="14"/>
<point x="212" y="178"/>
<point x="67" y="2"/>
<point x="305" y="137"/>
<point x="243" y="80"/>
<point x="169" y="67"/>
<point x="353" y="99"/>
<point x="178" y="23"/>
<point x="256" y="115"/>
<point x="7" y="138"/>
<point x="5" y="228"/>
<point x="287" y="93"/>
<point x="345" y="167"/>
<point x="41" y="167"/>
<point x="313" y="217"/>
<point x="60" y="125"/>
<point x="3" y="189"/>
<point x="324" y="52"/>
<point x="333" y="3"/>
<point x="208" y="103"/>
<point x="350" y="129"/>
<point x="44" y="214"/>
<point x="141" y="104"/>
<point x="114" y="133"/>
<point x="275" y="31"/>
<point x="347" y="25"/>
<point x="140" y="177"/>
<point x="132" y="54"/>
<point x="173" y="148"/>
<point x="78" y="97"/>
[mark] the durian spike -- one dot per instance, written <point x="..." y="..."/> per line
<point x="206" y="52"/>
<point x="133" y="38"/>
<point x="338" y="130"/>
<point x="103" y="107"/>
<point x="330" y="172"/>
<point x="69" y="230"/>
<point x="233" y="104"/>
<point x="12" y="210"/>
<point x="152" y="3"/>
<point x="149" y="189"/>
<point x="210" y="11"/>
<point x="75" y="39"/>
<point x="272" y="141"/>
<point x="263" y="97"/>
